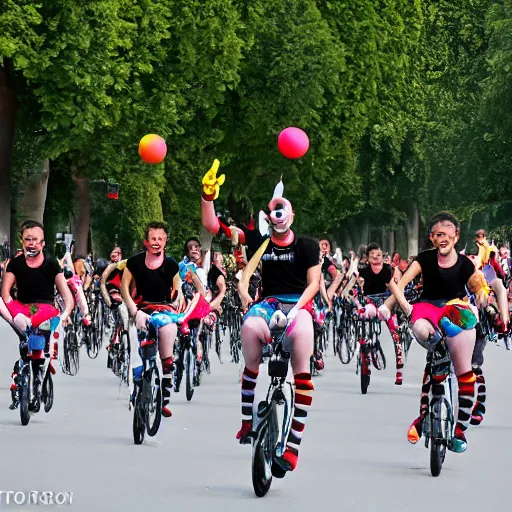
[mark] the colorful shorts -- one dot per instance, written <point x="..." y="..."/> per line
<point x="268" y="306"/>
<point x="38" y="313"/>
<point x="449" y="317"/>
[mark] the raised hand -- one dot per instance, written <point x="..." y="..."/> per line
<point x="212" y="183"/>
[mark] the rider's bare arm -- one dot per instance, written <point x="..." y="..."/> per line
<point x="398" y="289"/>
<point x="7" y="284"/>
<point x="69" y="303"/>
<point x="221" y="285"/>
<point x="313" y="280"/>
<point x="125" y="292"/>
<point x="177" y="291"/>
<point x="103" y="282"/>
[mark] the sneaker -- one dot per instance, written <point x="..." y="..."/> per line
<point x="243" y="435"/>
<point x="415" y="430"/>
<point x="398" y="380"/>
<point x="289" y="460"/>
<point x="458" y="444"/>
<point x="477" y="415"/>
<point x="166" y="412"/>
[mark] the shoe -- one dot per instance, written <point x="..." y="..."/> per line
<point x="35" y="404"/>
<point x="166" y="412"/>
<point x="243" y="435"/>
<point x="289" y="460"/>
<point x="458" y="443"/>
<point x="398" y="380"/>
<point x="14" y="405"/>
<point x="277" y="470"/>
<point x="477" y="415"/>
<point x="415" y="430"/>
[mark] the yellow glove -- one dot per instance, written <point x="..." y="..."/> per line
<point x="211" y="184"/>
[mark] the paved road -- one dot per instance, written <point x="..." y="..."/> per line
<point x="355" y="456"/>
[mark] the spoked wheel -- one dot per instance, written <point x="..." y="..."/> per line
<point x="218" y="342"/>
<point x="125" y="364"/>
<point x="346" y="345"/>
<point x="139" y="426"/>
<point x="152" y="396"/>
<point x="189" y="373"/>
<point x="262" y="463"/>
<point x="437" y="455"/>
<point x="378" y="358"/>
<point x="71" y="354"/>
<point x="234" y="338"/>
<point x="206" y="341"/>
<point x="47" y="391"/>
<point x="363" y="373"/>
<point x="24" y="397"/>
<point x="91" y="340"/>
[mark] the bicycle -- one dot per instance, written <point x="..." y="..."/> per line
<point x="35" y="345"/>
<point x="439" y="423"/>
<point x="186" y="362"/>
<point x="147" y="395"/>
<point x="346" y="332"/>
<point x="273" y="418"/>
<point x="370" y="350"/>
<point x="71" y="363"/>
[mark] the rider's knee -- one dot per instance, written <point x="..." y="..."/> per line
<point x="422" y="329"/>
<point x="254" y="328"/>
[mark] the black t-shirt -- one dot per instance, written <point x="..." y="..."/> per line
<point x="213" y="275"/>
<point x="376" y="283"/>
<point x="35" y="285"/>
<point x="152" y="285"/>
<point x="444" y="283"/>
<point x="284" y="269"/>
<point x="326" y="265"/>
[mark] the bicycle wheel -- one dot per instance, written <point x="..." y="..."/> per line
<point x="437" y="454"/>
<point x="24" y="395"/>
<point x="262" y="462"/>
<point x="74" y="359"/>
<point x="345" y="352"/>
<point x="152" y="395"/>
<point x="139" y="427"/>
<point x="406" y="340"/>
<point x="125" y="365"/>
<point x="363" y="373"/>
<point x="234" y="338"/>
<point x="206" y="341"/>
<point x="47" y="391"/>
<point x="189" y="373"/>
<point x="218" y="342"/>
<point x="91" y="342"/>
<point x="378" y="357"/>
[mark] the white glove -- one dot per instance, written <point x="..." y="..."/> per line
<point x="384" y="312"/>
<point x="141" y="320"/>
<point x="291" y="315"/>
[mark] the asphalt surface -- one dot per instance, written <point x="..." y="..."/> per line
<point x="354" y="455"/>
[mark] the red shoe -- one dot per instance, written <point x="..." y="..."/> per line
<point x="243" y="434"/>
<point x="415" y="430"/>
<point x="398" y="380"/>
<point x="289" y="460"/>
<point x="166" y="412"/>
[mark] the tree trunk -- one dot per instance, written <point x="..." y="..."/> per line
<point x="31" y="203"/>
<point x="413" y="230"/>
<point x="84" y="216"/>
<point x="8" y="107"/>
<point x="401" y="242"/>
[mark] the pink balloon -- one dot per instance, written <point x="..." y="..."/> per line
<point x="293" y="142"/>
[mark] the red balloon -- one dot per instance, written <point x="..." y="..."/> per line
<point x="152" y="149"/>
<point x="293" y="142"/>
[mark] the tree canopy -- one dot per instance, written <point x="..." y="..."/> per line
<point x="406" y="104"/>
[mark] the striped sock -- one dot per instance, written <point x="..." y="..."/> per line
<point x="167" y="368"/>
<point x="303" y="397"/>
<point x="249" y="378"/>
<point x="466" y="401"/>
<point x="479" y="409"/>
